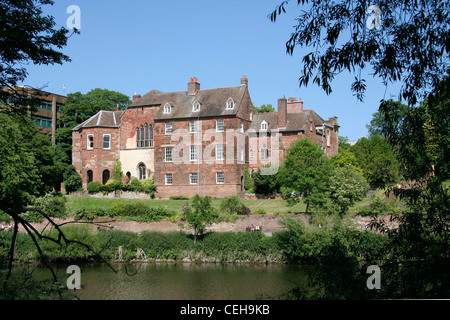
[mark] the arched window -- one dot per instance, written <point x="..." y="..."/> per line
<point x="151" y="136"/>
<point x="264" y="125"/>
<point x="142" y="137"/>
<point x="230" y="104"/>
<point x="264" y="152"/>
<point x="138" y="137"/>
<point x="196" y="106"/>
<point x="90" y="176"/>
<point x="105" y="176"/>
<point x="167" y="108"/>
<point x="142" y="171"/>
<point x="147" y="139"/>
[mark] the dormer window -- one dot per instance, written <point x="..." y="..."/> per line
<point x="264" y="125"/>
<point x="167" y="108"/>
<point x="196" y="106"/>
<point x="230" y="104"/>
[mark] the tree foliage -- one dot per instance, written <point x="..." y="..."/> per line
<point x="376" y="157"/>
<point x="26" y="35"/>
<point x="199" y="214"/>
<point x="304" y="173"/>
<point x="264" y="108"/>
<point x="411" y="45"/>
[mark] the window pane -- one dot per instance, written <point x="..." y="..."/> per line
<point x="168" y="155"/>
<point x="106" y="141"/>
<point x="193" y="178"/>
<point x="219" y="152"/>
<point x="220" y="177"/>
<point x="168" y="178"/>
<point x="193" y="153"/>
<point x="219" y="125"/>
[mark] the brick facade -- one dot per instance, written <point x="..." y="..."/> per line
<point x="196" y="141"/>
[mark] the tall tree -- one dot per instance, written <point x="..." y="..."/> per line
<point x="304" y="173"/>
<point x="403" y="40"/>
<point x="376" y="157"/>
<point x="80" y="107"/>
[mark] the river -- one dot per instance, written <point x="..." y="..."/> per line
<point x="182" y="281"/>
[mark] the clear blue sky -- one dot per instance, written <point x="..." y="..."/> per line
<point x="139" y="45"/>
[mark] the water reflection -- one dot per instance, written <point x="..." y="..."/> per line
<point x="185" y="281"/>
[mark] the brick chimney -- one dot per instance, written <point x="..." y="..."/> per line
<point x="193" y="86"/>
<point x="294" y="106"/>
<point x="282" y="112"/>
<point x="136" y="97"/>
<point x="244" y="80"/>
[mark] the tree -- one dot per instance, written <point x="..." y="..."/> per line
<point x="304" y="173"/>
<point x="409" y="44"/>
<point x="346" y="159"/>
<point x="266" y="184"/>
<point x="26" y="168"/>
<point x="117" y="173"/>
<point x="199" y="214"/>
<point x="345" y="188"/>
<point x="264" y="108"/>
<point x="377" y="160"/>
<point x="80" y="107"/>
<point x="27" y="36"/>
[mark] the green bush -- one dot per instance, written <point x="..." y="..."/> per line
<point x="73" y="182"/>
<point x="94" y="187"/>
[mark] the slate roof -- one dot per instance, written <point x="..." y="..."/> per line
<point x="212" y="102"/>
<point x="105" y="119"/>
<point x="294" y="122"/>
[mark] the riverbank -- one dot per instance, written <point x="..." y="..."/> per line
<point x="269" y="223"/>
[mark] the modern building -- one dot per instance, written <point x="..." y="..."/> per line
<point x="196" y="141"/>
<point x="46" y="107"/>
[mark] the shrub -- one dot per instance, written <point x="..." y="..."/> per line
<point x="230" y="207"/>
<point x="73" y="182"/>
<point x="94" y="187"/>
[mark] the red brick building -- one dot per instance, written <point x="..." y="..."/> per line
<point x="195" y="141"/>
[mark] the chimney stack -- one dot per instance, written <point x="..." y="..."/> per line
<point x="282" y="112"/>
<point x="294" y="106"/>
<point x="136" y="97"/>
<point x="193" y="86"/>
<point x="244" y="81"/>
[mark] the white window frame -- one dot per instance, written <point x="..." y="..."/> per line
<point x="193" y="153"/>
<point x="217" y="125"/>
<point x="168" y="151"/>
<point x="220" y="148"/>
<point x="250" y="151"/>
<point x="193" y="126"/>
<point x="193" y="178"/>
<point x="264" y="155"/>
<point x="89" y="147"/>
<point x="242" y="125"/>
<point x="109" y="142"/>
<point x="264" y="125"/>
<point x="328" y="138"/>
<point x="196" y="106"/>
<point x="168" y="128"/>
<point x="230" y="104"/>
<point x="166" y="179"/>
<point x="167" y="108"/>
<point x="222" y="178"/>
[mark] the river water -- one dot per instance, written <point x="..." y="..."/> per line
<point x="182" y="281"/>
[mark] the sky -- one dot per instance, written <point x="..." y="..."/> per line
<point x="139" y="45"/>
